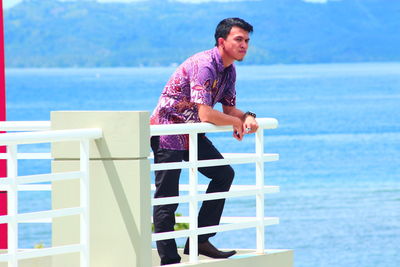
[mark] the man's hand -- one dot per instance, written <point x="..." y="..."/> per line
<point x="250" y="125"/>
<point x="238" y="130"/>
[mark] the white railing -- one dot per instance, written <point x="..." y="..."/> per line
<point x="227" y="223"/>
<point x="29" y="126"/>
<point x="14" y="183"/>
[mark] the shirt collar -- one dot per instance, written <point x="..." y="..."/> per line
<point x="218" y="59"/>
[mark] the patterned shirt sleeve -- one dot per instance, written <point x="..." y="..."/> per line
<point x="201" y="80"/>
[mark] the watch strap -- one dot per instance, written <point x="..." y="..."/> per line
<point x="249" y="113"/>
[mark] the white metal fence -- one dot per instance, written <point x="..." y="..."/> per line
<point x="15" y="183"/>
<point x="227" y="223"/>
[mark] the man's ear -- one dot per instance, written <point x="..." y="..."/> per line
<point x="221" y="42"/>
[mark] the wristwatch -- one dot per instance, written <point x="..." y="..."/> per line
<point x="249" y="113"/>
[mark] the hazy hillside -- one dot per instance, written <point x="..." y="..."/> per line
<point x="48" y="33"/>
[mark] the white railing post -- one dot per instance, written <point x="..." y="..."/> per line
<point x="12" y="206"/>
<point x="193" y="205"/>
<point x="84" y="198"/>
<point x="259" y="142"/>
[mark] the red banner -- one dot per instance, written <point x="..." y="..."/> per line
<point x="3" y="163"/>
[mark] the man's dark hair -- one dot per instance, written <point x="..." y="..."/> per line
<point x="224" y="27"/>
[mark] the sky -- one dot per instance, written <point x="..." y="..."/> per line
<point x="11" y="3"/>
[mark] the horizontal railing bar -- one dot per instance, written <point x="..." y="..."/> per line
<point x="25" y="126"/>
<point x="252" y="156"/>
<point x="170" y="200"/>
<point x="29" y="156"/>
<point x="170" y="235"/>
<point x="27" y="187"/>
<point x="23" y="217"/>
<point x="231" y="155"/>
<point x="224" y="220"/>
<point x="38" y="178"/>
<point x="249" y="158"/>
<point x="51" y="177"/>
<point x="43" y="220"/>
<point x="49" y="214"/>
<point x="186" y="128"/>
<point x="43" y="155"/>
<point x="43" y="252"/>
<point x="4" y="257"/>
<point x="212" y="196"/>
<point x="252" y="222"/>
<point x="171" y="166"/>
<point x="229" y="194"/>
<point x="50" y="136"/>
<point x="203" y="187"/>
<point x="236" y="226"/>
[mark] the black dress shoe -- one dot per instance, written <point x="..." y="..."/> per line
<point x="207" y="249"/>
<point x="170" y="262"/>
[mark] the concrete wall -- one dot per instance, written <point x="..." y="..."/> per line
<point x="119" y="174"/>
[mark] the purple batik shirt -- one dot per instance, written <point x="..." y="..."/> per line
<point x="201" y="79"/>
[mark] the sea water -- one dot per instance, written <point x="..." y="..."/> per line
<point x="338" y="140"/>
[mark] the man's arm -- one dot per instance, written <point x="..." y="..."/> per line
<point x="230" y="116"/>
<point x="233" y="111"/>
<point x="208" y="114"/>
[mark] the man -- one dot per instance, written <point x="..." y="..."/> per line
<point x="189" y="96"/>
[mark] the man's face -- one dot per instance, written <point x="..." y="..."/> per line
<point x="236" y="43"/>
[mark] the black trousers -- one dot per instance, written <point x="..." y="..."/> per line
<point x="167" y="185"/>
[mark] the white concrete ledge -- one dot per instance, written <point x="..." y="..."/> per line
<point x="244" y="257"/>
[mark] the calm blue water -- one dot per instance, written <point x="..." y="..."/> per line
<point x="339" y="142"/>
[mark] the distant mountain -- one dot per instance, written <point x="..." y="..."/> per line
<point x="49" y="33"/>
